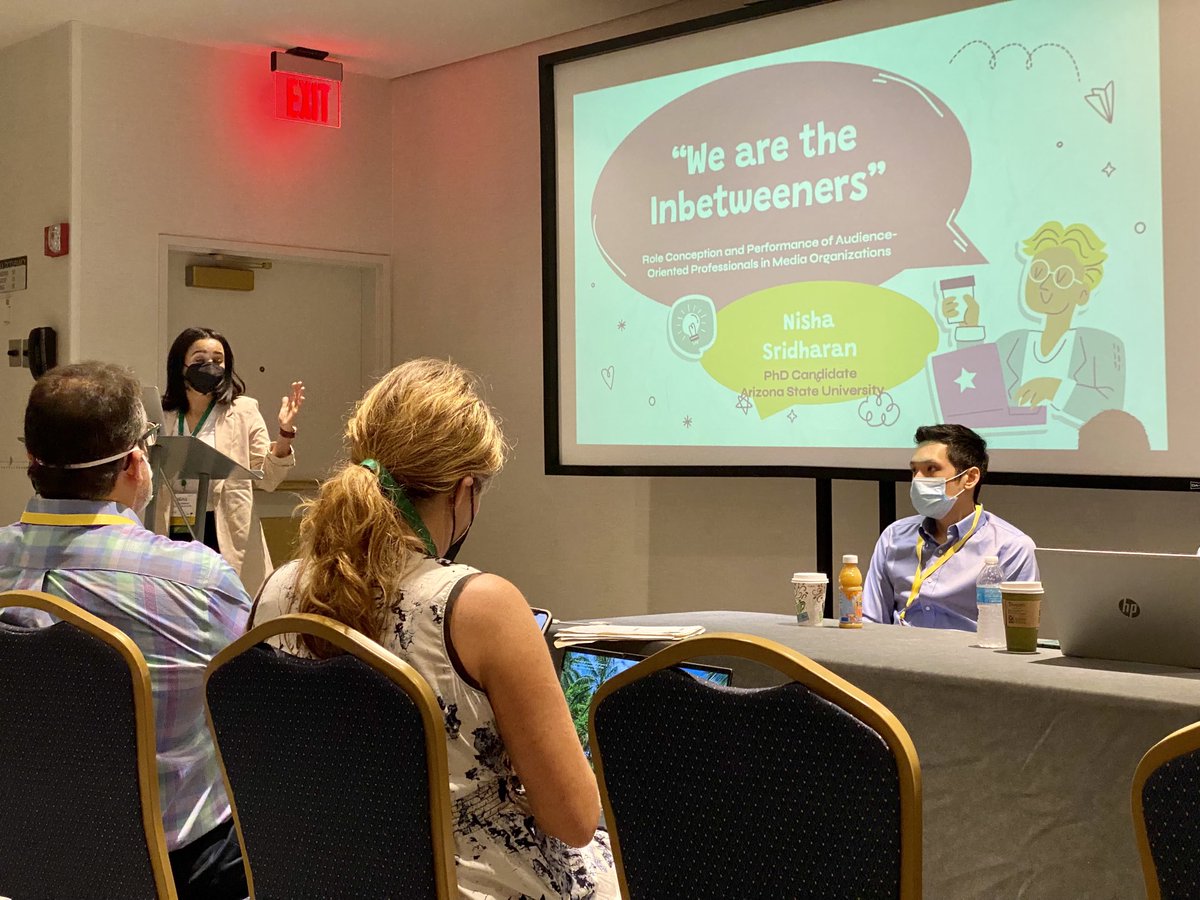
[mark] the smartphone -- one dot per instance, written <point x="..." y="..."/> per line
<point x="543" y="618"/>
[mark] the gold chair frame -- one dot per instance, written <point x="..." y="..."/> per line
<point x="1178" y="743"/>
<point x="401" y="673"/>
<point x="824" y="683"/>
<point x="143" y="712"/>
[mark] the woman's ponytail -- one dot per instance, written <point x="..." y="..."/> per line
<point x="355" y="548"/>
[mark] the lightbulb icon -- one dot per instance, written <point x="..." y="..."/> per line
<point x="692" y="325"/>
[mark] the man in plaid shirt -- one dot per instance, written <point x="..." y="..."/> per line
<point x="80" y="538"/>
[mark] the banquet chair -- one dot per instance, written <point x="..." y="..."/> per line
<point x="807" y="789"/>
<point x="336" y="767"/>
<point x="79" y="810"/>
<point x="1166" y="815"/>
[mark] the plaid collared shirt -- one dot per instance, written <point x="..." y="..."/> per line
<point x="180" y="603"/>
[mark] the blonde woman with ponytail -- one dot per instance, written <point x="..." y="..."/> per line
<point x="376" y="552"/>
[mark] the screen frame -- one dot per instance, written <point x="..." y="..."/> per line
<point x="543" y="617"/>
<point x="552" y="412"/>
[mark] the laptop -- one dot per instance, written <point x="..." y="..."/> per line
<point x="970" y="390"/>
<point x="1132" y="607"/>
<point x="585" y="669"/>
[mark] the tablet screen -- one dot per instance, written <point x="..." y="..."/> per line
<point x="584" y="670"/>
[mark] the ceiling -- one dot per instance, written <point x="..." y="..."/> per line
<point x="385" y="38"/>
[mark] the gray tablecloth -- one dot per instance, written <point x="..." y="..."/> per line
<point x="1027" y="759"/>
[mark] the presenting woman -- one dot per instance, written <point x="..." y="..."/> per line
<point x="206" y="399"/>
<point x="375" y="551"/>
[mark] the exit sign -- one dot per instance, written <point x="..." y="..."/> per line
<point x="303" y="98"/>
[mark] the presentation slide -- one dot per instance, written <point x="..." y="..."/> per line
<point x="800" y="256"/>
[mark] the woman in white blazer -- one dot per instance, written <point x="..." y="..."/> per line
<point x="205" y="398"/>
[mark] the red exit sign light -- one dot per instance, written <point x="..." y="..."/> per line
<point x="303" y="98"/>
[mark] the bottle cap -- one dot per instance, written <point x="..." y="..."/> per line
<point x="991" y="560"/>
<point x="850" y="560"/>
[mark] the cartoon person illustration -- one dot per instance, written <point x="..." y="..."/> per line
<point x="1078" y="371"/>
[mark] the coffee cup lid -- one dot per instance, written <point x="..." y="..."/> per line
<point x="810" y="578"/>
<point x="1021" y="587"/>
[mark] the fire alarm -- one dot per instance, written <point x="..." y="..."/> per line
<point x="56" y="237"/>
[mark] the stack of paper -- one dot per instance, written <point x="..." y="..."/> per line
<point x="591" y="632"/>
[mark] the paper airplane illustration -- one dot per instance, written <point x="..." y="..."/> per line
<point x="1101" y="100"/>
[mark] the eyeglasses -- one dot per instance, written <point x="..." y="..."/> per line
<point x="1063" y="277"/>
<point x="150" y="436"/>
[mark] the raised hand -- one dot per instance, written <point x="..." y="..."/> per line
<point x="289" y="407"/>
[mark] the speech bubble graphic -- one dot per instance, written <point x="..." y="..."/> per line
<point x="819" y="342"/>
<point x="810" y="171"/>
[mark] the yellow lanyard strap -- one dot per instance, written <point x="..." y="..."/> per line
<point x="37" y="518"/>
<point x="922" y="574"/>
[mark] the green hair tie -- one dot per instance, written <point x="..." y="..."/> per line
<point x="395" y="493"/>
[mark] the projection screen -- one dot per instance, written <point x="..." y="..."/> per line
<point x="781" y="242"/>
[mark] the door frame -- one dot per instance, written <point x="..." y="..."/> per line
<point x="375" y="269"/>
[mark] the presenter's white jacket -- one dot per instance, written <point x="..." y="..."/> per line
<point x="241" y="434"/>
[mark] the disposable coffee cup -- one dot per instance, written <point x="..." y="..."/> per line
<point x="809" y="589"/>
<point x="1022" y="614"/>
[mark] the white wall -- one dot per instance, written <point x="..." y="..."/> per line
<point x="466" y="207"/>
<point x="181" y="139"/>
<point x="35" y="191"/>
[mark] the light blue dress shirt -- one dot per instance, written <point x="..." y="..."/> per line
<point x="947" y="598"/>
<point x="180" y="603"/>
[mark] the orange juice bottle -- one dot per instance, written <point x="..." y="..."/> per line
<point x="850" y="586"/>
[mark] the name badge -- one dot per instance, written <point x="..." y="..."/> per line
<point x="187" y="503"/>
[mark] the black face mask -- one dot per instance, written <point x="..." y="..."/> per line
<point x="204" y="377"/>
<point x="452" y="550"/>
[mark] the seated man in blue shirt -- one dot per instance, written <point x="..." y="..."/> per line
<point x="924" y="567"/>
<point x="81" y="538"/>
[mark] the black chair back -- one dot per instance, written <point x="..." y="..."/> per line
<point x="79" y="813"/>
<point x="1166" y="803"/>
<point x="718" y="792"/>
<point x="326" y="761"/>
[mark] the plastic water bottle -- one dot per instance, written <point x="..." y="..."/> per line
<point x="989" y="602"/>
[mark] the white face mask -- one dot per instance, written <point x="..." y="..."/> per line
<point x="929" y="497"/>
<point x="145" y="490"/>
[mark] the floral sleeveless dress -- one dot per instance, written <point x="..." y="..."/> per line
<point x="498" y="851"/>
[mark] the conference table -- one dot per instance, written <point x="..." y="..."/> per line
<point x="1027" y="759"/>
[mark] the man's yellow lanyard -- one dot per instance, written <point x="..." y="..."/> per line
<point x="38" y="518"/>
<point x="922" y="574"/>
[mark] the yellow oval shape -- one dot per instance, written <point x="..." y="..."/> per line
<point x="819" y="342"/>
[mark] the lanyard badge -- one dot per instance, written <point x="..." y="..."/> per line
<point x="922" y="574"/>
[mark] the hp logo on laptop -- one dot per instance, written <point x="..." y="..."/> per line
<point x="1128" y="607"/>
